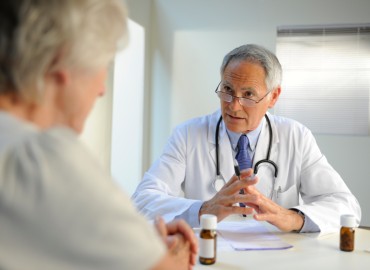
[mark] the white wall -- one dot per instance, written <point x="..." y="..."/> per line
<point x="127" y="118"/>
<point x="140" y="11"/>
<point x="187" y="41"/>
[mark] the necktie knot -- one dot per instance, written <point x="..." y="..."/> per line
<point x="242" y="156"/>
<point x="243" y="143"/>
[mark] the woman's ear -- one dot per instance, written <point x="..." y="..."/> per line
<point x="58" y="78"/>
<point x="274" y="96"/>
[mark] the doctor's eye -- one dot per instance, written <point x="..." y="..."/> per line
<point x="248" y="94"/>
<point x="227" y="89"/>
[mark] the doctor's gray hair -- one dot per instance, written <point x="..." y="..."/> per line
<point x="38" y="36"/>
<point x="257" y="54"/>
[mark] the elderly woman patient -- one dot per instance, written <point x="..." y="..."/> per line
<point x="58" y="208"/>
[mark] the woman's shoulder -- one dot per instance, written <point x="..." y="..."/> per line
<point x="52" y="158"/>
<point x="52" y="176"/>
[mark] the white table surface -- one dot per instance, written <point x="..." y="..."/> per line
<point x="309" y="251"/>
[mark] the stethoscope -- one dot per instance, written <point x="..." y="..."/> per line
<point x="219" y="182"/>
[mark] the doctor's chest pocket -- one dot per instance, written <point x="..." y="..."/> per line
<point x="287" y="197"/>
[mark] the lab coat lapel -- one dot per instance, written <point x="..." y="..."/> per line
<point x="225" y="152"/>
<point x="211" y="136"/>
<point x="263" y="142"/>
<point x="266" y="171"/>
<point x="226" y="155"/>
<point x="275" y="140"/>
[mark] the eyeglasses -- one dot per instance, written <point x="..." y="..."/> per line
<point x="246" y="102"/>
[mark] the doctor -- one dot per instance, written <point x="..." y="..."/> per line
<point x="195" y="174"/>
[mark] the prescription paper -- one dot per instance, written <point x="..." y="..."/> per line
<point x="249" y="235"/>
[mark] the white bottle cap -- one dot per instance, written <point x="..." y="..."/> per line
<point x="348" y="221"/>
<point x="208" y="222"/>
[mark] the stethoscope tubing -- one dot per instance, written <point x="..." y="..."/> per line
<point x="267" y="160"/>
<point x="217" y="145"/>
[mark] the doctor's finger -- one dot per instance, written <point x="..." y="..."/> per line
<point x="255" y="207"/>
<point x="237" y="210"/>
<point x="264" y="217"/>
<point x="252" y="190"/>
<point x="240" y="184"/>
<point x="246" y="173"/>
<point x="232" y="180"/>
<point x="230" y="191"/>
<point x="239" y="198"/>
<point x="225" y="211"/>
<point x="243" y="174"/>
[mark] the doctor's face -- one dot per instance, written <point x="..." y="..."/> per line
<point x="245" y="79"/>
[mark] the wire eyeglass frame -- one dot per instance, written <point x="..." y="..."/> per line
<point x="245" y="102"/>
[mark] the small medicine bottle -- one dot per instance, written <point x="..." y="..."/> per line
<point x="208" y="239"/>
<point x="347" y="232"/>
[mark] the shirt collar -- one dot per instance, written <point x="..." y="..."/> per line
<point x="252" y="137"/>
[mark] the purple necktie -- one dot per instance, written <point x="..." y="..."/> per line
<point x="243" y="157"/>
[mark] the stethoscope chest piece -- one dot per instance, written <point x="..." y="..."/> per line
<point x="218" y="183"/>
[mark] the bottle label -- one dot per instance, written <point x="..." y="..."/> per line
<point x="207" y="248"/>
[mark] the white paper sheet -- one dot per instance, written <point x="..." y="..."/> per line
<point x="249" y="235"/>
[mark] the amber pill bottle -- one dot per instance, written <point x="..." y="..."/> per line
<point x="347" y="233"/>
<point x="208" y="239"/>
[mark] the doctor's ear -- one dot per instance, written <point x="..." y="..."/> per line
<point x="274" y="96"/>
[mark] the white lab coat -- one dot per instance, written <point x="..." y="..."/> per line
<point x="184" y="173"/>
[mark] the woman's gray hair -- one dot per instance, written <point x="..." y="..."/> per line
<point x="37" y="36"/>
<point x="257" y="54"/>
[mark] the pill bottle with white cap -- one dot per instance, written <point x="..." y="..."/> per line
<point x="208" y="239"/>
<point x="347" y="232"/>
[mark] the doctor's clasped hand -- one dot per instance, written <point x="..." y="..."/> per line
<point x="223" y="203"/>
<point x="267" y="210"/>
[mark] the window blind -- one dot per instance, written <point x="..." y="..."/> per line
<point x="326" y="77"/>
